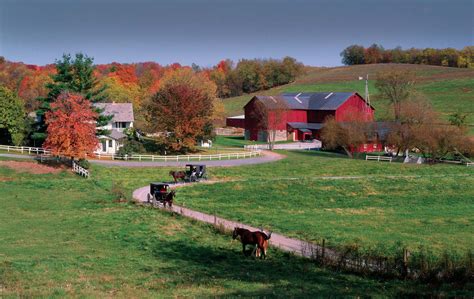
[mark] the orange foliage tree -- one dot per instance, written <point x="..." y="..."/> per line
<point x="184" y="105"/>
<point x="71" y="126"/>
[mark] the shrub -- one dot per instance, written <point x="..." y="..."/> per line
<point x="131" y="146"/>
<point x="83" y="163"/>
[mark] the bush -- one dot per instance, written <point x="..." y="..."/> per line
<point x="83" y="163"/>
<point x="118" y="191"/>
<point x="130" y="147"/>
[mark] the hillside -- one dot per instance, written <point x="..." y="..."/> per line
<point x="449" y="89"/>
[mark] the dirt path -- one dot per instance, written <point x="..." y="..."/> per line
<point x="266" y="157"/>
<point x="298" y="247"/>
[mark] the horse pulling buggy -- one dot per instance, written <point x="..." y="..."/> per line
<point x="161" y="193"/>
<point x="193" y="173"/>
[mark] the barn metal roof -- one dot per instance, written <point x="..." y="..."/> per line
<point x="307" y="100"/>
<point x="309" y="126"/>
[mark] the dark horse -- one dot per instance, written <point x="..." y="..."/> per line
<point x="169" y="199"/>
<point x="258" y="239"/>
<point x="178" y="175"/>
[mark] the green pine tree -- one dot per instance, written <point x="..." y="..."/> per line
<point x="75" y="75"/>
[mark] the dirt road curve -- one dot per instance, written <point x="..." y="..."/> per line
<point x="295" y="246"/>
<point x="266" y="157"/>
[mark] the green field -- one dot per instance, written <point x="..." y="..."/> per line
<point x="377" y="205"/>
<point x="449" y="89"/>
<point x="62" y="235"/>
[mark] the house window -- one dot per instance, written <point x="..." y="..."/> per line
<point x="110" y="143"/>
<point x="121" y="125"/>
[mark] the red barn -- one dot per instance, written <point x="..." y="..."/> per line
<point x="235" y="121"/>
<point x="300" y="116"/>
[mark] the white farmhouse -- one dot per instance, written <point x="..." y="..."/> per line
<point x="122" y="119"/>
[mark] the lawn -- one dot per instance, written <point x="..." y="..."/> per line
<point x="62" y="235"/>
<point x="379" y="206"/>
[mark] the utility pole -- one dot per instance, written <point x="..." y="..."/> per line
<point x="367" y="98"/>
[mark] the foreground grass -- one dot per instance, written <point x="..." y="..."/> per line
<point x="378" y="206"/>
<point x="62" y="235"/>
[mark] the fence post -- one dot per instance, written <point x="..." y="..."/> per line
<point x="405" y="263"/>
<point x="323" y="251"/>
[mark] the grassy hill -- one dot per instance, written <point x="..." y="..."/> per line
<point x="449" y="89"/>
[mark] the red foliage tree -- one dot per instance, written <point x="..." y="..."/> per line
<point x="71" y="126"/>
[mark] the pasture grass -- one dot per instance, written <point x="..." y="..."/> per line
<point x="62" y="235"/>
<point x="379" y="206"/>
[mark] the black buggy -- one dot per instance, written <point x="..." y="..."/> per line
<point x="160" y="193"/>
<point x="195" y="172"/>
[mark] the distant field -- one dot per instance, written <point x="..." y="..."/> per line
<point x="65" y="236"/>
<point x="375" y="205"/>
<point x="449" y="89"/>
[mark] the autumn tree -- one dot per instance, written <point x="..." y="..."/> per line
<point x="416" y="115"/>
<point x="347" y="135"/>
<point x="182" y="108"/>
<point x="12" y="117"/>
<point x="75" y="75"/>
<point x="71" y="126"/>
<point x="396" y="86"/>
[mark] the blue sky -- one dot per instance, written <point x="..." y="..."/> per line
<point x="206" y="31"/>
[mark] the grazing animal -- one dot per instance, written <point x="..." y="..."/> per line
<point x="169" y="199"/>
<point x="178" y="175"/>
<point x="258" y="239"/>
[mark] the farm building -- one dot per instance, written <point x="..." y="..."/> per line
<point x="122" y="118"/>
<point x="300" y="116"/>
<point x="237" y="121"/>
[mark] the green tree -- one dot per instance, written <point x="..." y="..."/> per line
<point x="12" y="117"/>
<point x="353" y="54"/>
<point x="73" y="75"/>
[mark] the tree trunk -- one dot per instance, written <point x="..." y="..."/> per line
<point x="348" y="152"/>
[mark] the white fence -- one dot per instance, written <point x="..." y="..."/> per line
<point x="378" y="158"/>
<point x="178" y="158"/>
<point x="222" y="156"/>
<point x="316" y="144"/>
<point x="25" y="149"/>
<point x="80" y="170"/>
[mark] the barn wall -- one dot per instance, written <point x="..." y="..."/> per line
<point x="235" y="122"/>
<point x="251" y="124"/>
<point x="354" y="108"/>
<point x="297" y="116"/>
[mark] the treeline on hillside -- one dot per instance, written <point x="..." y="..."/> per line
<point x="253" y="75"/>
<point x="357" y="54"/>
<point x="136" y="82"/>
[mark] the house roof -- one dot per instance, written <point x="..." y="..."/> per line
<point x="307" y="100"/>
<point x="122" y="112"/>
<point x="115" y="134"/>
